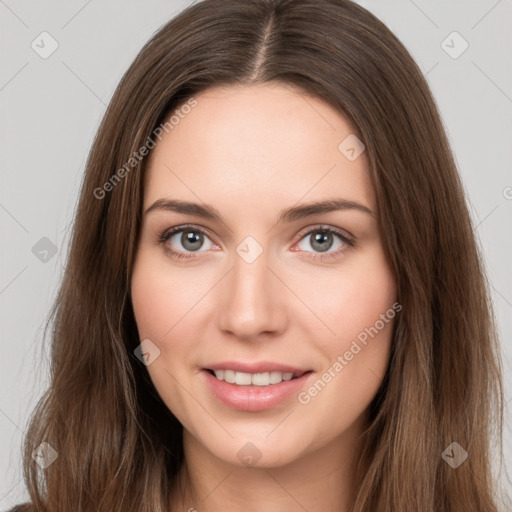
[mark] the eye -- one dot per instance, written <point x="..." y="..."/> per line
<point x="324" y="238"/>
<point x="188" y="239"/>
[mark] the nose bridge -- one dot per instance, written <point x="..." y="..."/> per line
<point x="251" y="303"/>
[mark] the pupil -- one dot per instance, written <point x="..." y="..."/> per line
<point x="321" y="238"/>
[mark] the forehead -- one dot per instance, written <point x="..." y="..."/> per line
<point x="256" y="146"/>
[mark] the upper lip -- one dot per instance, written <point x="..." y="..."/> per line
<point x="257" y="367"/>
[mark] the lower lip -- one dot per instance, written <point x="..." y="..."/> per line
<point x="253" y="398"/>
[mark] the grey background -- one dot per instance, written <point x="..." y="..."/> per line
<point x="50" y="109"/>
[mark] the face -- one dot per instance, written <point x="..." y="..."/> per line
<point x="237" y="271"/>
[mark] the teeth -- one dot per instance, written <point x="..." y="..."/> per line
<point x="243" y="379"/>
<point x="257" y="379"/>
<point x="229" y="376"/>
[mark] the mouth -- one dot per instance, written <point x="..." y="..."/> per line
<point x="253" y="392"/>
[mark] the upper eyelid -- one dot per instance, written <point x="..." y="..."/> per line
<point x="324" y="227"/>
<point x="168" y="233"/>
<point x="192" y="227"/>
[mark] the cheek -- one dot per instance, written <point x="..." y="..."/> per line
<point x="162" y="298"/>
<point x="150" y="300"/>
<point x="357" y="303"/>
<point x="350" y="298"/>
<point x="160" y="316"/>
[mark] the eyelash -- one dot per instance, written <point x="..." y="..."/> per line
<point x="348" y="241"/>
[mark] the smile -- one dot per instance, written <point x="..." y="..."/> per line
<point x="255" y="379"/>
<point x="253" y="391"/>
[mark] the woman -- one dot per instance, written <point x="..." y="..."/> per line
<point x="274" y="299"/>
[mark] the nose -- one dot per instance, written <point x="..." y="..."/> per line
<point x="252" y="300"/>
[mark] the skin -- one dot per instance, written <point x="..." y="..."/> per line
<point x="251" y="151"/>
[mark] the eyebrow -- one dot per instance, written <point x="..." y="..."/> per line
<point x="288" y="215"/>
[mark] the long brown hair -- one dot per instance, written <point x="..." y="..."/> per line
<point x="119" y="447"/>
